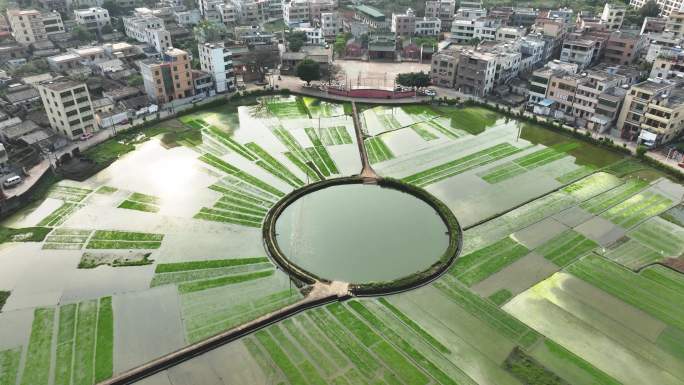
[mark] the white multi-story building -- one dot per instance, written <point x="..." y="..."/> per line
<point x="661" y="42"/>
<point x="296" y="11"/>
<point x="68" y="107"/>
<point x="188" y="17"/>
<point x="92" y="18"/>
<point x="30" y="26"/>
<point x="579" y="51"/>
<point x="314" y="36"/>
<point x="218" y="61"/>
<point x="675" y="23"/>
<point x="613" y="15"/>
<point x="404" y="24"/>
<point x="428" y="26"/>
<point x="227" y="13"/>
<point x="148" y="29"/>
<point x="666" y="6"/>
<point x="509" y="33"/>
<point x="443" y="10"/>
<point x="331" y="24"/>
<point x="669" y="65"/>
<point x="483" y="28"/>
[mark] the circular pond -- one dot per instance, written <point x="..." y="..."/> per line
<point x="361" y="233"/>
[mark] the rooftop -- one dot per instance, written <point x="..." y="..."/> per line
<point x="370" y="11"/>
<point x="61" y="84"/>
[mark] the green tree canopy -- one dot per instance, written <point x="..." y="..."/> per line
<point x="295" y="40"/>
<point x="82" y="34"/>
<point x="650" y="9"/>
<point x="308" y="70"/>
<point x="413" y="79"/>
<point x="135" y="80"/>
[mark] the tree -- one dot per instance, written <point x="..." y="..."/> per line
<point x="113" y="7"/>
<point x="207" y="32"/>
<point x="295" y="40"/>
<point x="341" y="43"/>
<point x="413" y="79"/>
<point x="107" y="28"/>
<point x="650" y="9"/>
<point x="308" y="70"/>
<point x="82" y="34"/>
<point x="135" y="81"/>
<point x="260" y="60"/>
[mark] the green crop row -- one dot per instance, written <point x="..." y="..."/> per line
<point x="529" y="371"/>
<point x="576" y="174"/>
<point x="637" y="208"/>
<point x="476" y="266"/>
<point x="658" y="298"/>
<point x="37" y="366"/>
<point x="106" y="190"/>
<point x="237" y="196"/>
<point x="68" y="193"/>
<point x="232" y="170"/>
<point x="193" y="286"/>
<point x="210" y="264"/>
<point x="101" y="244"/>
<point x="9" y="365"/>
<point x="377" y="150"/>
<point x="309" y="171"/>
<point x="592" y="185"/>
<point x="415" y="327"/>
<point x="612" y="197"/>
<point x="632" y="254"/>
<point x="423" y="131"/>
<point x="240" y="209"/>
<point x="273" y="166"/>
<point x="449" y="132"/>
<point x="195" y="275"/>
<point x="229" y="217"/>
<point x="60" y="215"/>
<point x="225" y="139"/>
<point x="528" y="162"/>
<point x="114" y="235"/>
<point x="468" y="162"/>
<point x="500" y="296"/>
<point x="660" y="235"/>
<point x="131" y="205"/>
<point x="336" y="135"/>
<point x="566" y="247"/>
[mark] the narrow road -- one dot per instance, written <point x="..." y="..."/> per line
<point x="366" y="170"/>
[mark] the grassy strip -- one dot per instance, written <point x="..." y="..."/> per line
<point x="460" y="165"/>
<point x="65" y="344"/>
<point x="232" y="170"/>
<point x="225" y="219"/>
<point x="195" y="275"/>
<point x="273" y="166"/>
<point x="138" y="206"/>
<point x="227" y="141"/>
<point x="211" y="264"/>
<point x="259" y="213"/>
<point x="529" y="371"/>
<point x="236" y="195"/>
<point x="665" y="277"/>
<point x="100" y="244"/>
<point x="313" y="137"/>
<point x="144" y="198"/>
<point x="487" y="312"/>
<point x="310" y="347"/>
<point x="660" y="298"/>
<point x="310" y="172"/>
<point x="190" y="287"/>
<point x="230" y="215"/>
<point x="281" y="359"/>
<point x="325" y="156"/>
<point x="575" y="174"/>
<point x="104" y="352"/>
<point x="500" y="297"/>
<point x="566" y="247"/>
<point x="671" y="340"/>
<point x="446" y="131"/>
<point x="260" y="357"/>
<point x="60" y="215"/>
<point x="115" y="235"/>
<point x="26" y="234"/>
<point x="473" y="120"/>
<point x="314" y="157"/>
<point x="475" y="267"/>
<point x="238" y="201"/>
<point x="9" y="366"/>
<point x="625" y="167"/>
<point x="528" y="162"/>
<point x="38" y="356"/>
<point x="377" y="150"/>
<point x="286" y="344"/>
<point x="84" y="348"/>
<point x="633" y="255"/>
<point x="415" y="327"/>
<point x="660" y="235"/>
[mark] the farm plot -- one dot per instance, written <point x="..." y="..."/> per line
<point x="286" y="108"/>
<point x="473" y="120"/>
<point x="475" y="267"/>
<point x="313" y="161"/>
<point x="526" y="163"/>
<point x="106" y="239"/>
<point x="592" y="185"/>
<point x="60" y="215"/>
<point x="141" y="202"/>
<point x="423" y="130"/>
<point x="529" y="371"/>
<point x="319" y="108"/>
<point x="332" y="136"/>
<point x="106" y="190"/>
<point x="566" y="247"/>
<point x="377" y="150"/>
<point x="91" y="260"/>
<point x="576" y="174"/>
<point x="83" y="345"/>
<point x="239" y="174"/>
<point x="273" y="166"/>
<point x="224" y="140"/>
<point x="661" y="298"/>
<point x="612" y="197"/>
<point x="665" y="237"/>
<point x="68" y="193"/>
<point x="674" y="215"/>
<point x="487" y="312"/>
<point x="632" y="254"/>
<point x="176" y="273"/>
<point x="66" y="239"/>
<point x="208" y="312"/>
<point x="637" y="208"/>
<point x="569" y="366"/>
<point x="455" y="167"/>
<point x="356" y="343"/>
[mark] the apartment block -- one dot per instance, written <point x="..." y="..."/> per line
<point x="579" y="51"/>
<point x="483" y="28"/>
<point x="613" y="16"/>
<point x="443" y="10"/>
<point x="484" y="68"/>
<point x="30" y="26"/>
<point x="169" y="78"/>
<point x="668" y="65"/>
<point x="623" y="47"/>
<point x="296" y="11"/>
<point x="68" y="107"/>
<point x="658" y="43"/>
<point x="675" y="23"/>
<point x="667" y="7"/>
<point x="428" y="26"/>
<point x="92" y="18"/>
<point x="443" y="68"/>
<point x="636" y="106"/>
<point x="404" y="24"/>
<point x="653" y="25"/>
<point x="217" y="60"/>
<point x="314" y="35"/>
<point x="331" y="24"/>
<point x="664" y="116"/>
<point x="148" y="29"/>
<point x="541" y="78"/>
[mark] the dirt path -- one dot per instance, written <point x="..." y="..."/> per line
<point x="366" y="170"/>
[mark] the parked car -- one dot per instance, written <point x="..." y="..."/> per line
<point x="430" y="92"/>
<point x="12" y="181"/>
<point x="86" y="135"/>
